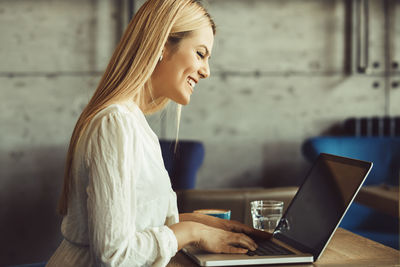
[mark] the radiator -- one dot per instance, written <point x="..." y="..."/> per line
<point x="374" y="126"/>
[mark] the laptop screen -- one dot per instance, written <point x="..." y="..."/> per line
<point x="321" y="201"/>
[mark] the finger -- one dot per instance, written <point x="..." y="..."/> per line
<point x="239" y="227"/>
<point x="245" y="241"/>
<point x="249" y="230"/>
<point x="247" y="238"/>
<point x="235" y="250"/>
<point x="246" y="229"/>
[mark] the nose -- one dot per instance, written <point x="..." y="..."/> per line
<point x="204" y="71"/>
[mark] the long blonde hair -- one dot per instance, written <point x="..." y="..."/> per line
<point x="127" y="76"/>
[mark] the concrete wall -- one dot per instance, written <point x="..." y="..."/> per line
<point x="281" y="72"/>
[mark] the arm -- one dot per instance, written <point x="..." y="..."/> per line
<point x="113" y="160"/>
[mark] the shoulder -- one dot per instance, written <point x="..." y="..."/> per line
<point x="114" y="115"/>
<point x="114" y="110"/>
<point x="114" y="121"/>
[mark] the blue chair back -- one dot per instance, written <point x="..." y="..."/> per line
<point x="182" y="165"/>
<point x="384" y="152"/>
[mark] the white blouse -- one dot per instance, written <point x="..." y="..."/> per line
<point x="121" y="200"/>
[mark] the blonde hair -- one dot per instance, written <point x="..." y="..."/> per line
<point x="127" y="76"/>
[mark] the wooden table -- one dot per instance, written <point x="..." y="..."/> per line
<point x="380" y="197"/>
<point x="344" y="249"/>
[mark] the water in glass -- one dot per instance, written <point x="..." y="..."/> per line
<point x="266" y="214"/>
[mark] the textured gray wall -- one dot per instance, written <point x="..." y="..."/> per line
<point x="278" y="77"/>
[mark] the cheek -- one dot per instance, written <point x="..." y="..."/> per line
<point x="189" y="65"/>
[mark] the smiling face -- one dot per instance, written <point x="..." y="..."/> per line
<point x="181" y="68"/>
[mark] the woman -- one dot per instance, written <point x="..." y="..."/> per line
<point x="118" y="205"/>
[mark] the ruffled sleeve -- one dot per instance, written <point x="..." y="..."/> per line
<point x="114" y="155"/>
<point x="173" y="215"/>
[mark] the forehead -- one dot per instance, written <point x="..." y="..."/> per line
<point x="203" y="36"/>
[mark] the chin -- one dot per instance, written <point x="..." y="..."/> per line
<point x="184" y="100"/>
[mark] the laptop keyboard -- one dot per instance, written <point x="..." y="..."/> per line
<point x="267" y="247"/>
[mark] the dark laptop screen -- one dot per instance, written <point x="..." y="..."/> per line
<point x="321" y="201"/>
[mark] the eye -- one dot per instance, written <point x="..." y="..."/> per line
<point x="201" y="55"/>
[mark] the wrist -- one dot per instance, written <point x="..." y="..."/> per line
<point x="196" y="231"/>
<point x="187" y="233"/>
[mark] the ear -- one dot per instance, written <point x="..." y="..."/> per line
<point x="167" y="50"/>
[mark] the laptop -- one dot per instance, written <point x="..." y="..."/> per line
<point x="310" y="220"/>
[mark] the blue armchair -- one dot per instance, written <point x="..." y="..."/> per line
<point x="182" y="165"/>
<point x="384" y="152"/>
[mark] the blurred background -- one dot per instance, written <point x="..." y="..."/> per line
<point x="281" y="72"/>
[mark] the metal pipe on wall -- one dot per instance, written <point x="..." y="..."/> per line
<point x="362" y="28"/>
<point x="387" y="54"/>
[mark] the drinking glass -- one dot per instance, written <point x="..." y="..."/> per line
<point x="266" y="214"/>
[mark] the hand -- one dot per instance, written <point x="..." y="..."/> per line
<point x="220" y="241"/>
<point x="238" y="227"/>
<point x="227" y="225"/>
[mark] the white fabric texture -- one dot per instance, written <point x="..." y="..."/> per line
<point x="121" y="200"/>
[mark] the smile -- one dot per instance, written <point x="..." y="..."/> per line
<point x="191" y="82"/>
